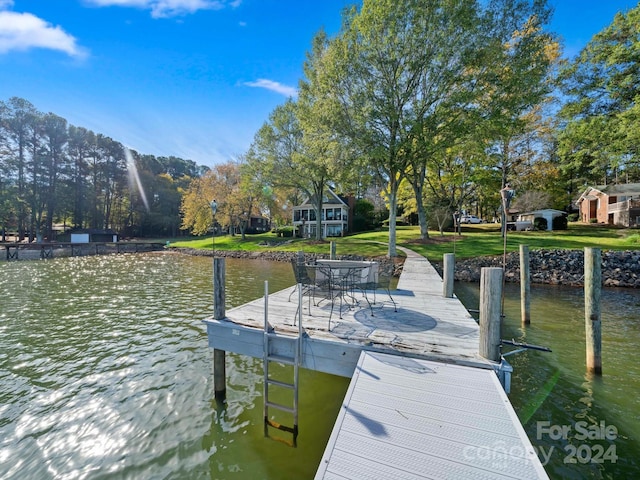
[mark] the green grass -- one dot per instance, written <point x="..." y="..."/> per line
<point x="476" y="240"/>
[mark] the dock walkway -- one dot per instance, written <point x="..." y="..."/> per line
<point x="406" y="418"/>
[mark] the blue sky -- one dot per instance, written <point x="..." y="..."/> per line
<point x="190" y="78"/>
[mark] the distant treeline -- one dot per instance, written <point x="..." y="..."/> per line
<point x="55" y="175"/>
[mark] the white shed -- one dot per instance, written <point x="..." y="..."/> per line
<point x="547" y="213"/>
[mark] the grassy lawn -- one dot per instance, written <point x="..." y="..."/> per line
<point x="476" y="240"/>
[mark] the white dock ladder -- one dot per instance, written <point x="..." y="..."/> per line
<point x="282" y="349"/>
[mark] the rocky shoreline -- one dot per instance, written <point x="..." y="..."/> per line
<point x="553" y="267"/>
<point x="556" y="267"/>
<point x="276" y="256"/>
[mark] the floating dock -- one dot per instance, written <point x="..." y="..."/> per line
<point x="406" y="418"/>
<point x="421" y="399"/>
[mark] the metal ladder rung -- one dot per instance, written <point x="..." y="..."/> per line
<point x="284" y="408"/>
<point x="292" y="360"/>
<point x="282" y="359"/>
<point x="281" y="384"/>
<point x="284" y="428"/>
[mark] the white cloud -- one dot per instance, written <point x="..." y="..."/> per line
<point x="6" y="4"/>
<point x="23" y="31"/>
<point x="167" y="8"/>
<point x="277" y="87"/>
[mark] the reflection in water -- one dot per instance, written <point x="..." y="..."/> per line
<point x="554" y="387"/>
<point x="106" y="373"/>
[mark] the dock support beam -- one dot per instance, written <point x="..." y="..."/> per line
<point x="332" y="251"/>
<point x="525" y="286"/>
<point x="448" y="273"/>
<point x="219" y="356"/>
<point x="592" y="318"/>
<point x="490" y="312"/>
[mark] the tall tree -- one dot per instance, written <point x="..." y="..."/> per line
<point x="292" y="153"/>
<point x="602" y="115"/>
<point x="18" y="118"/>
<point x="54" y="130"/>
<point x="371" y="72"/>
<point x="80" y="141"/>
<point x="520" y="56"/>
<point x="445" y="93"/>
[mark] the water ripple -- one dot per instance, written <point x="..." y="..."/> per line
<point x="106" y="372"/>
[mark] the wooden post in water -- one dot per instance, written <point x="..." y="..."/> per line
<point x="490" y="312"/>
<point x="332" y="250"/>
<point x="448" y="270"/>
<point x="525" y="286"/>
<point x="219" y="356"/>
<point x="592" y="319"/>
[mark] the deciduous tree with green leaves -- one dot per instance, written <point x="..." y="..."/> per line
<point x="601" y="135"/>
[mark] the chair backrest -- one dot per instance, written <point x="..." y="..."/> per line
<point x="300" y="272"/>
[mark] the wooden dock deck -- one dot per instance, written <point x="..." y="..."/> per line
<point x="31" y="251"/>
<point x="426" y="325"/>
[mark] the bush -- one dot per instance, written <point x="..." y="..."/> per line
<point x="573" y="217"/>
<point x="283" y="231"/>
<point x="540" y="223"/>
<point x="560" y="223"/>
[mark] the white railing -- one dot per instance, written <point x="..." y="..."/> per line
<point x="624" y="205"/>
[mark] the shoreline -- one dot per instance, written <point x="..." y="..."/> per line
<point x="556" y="267"/>
<point x="550" y="267"/>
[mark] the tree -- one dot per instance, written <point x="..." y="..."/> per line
<point x="520" y="58"/>
<point x="293" y="156"/>
<point x="371" y="75"/>
<point x="600" y="138"/>
<point x="80" y="140"/>
<point x="51" y="171"/>
<point x="18" y="119"/>
<point x="444" y="96"/>
<point x="532" y="200"/>
<point x="54" y="129"/>
<point x="224" y="184"/>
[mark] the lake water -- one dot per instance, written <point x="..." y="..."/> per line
<point x="562" y="408"/>
<point x="105" y="373"/>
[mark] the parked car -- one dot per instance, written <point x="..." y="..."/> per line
<point x="470" y="219"/>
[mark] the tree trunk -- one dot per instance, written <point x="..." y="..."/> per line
<point x="393" y="207"/>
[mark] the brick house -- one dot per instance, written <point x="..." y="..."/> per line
<point x="611" y="204"/>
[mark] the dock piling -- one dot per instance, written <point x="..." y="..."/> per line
<point x="448" y="273"/>
<point x="219" y="356"/>
<point x="525" y="285"/>
<point x="332" y="251"/>
<point x="592" y="317"/>
<point x="490" y="312"/>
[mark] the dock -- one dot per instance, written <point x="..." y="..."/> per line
<point x="406" y="418"/>
<point x="30" y="251"/>
<point x="426" y="325"/>
<point x="422" y="402"/>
